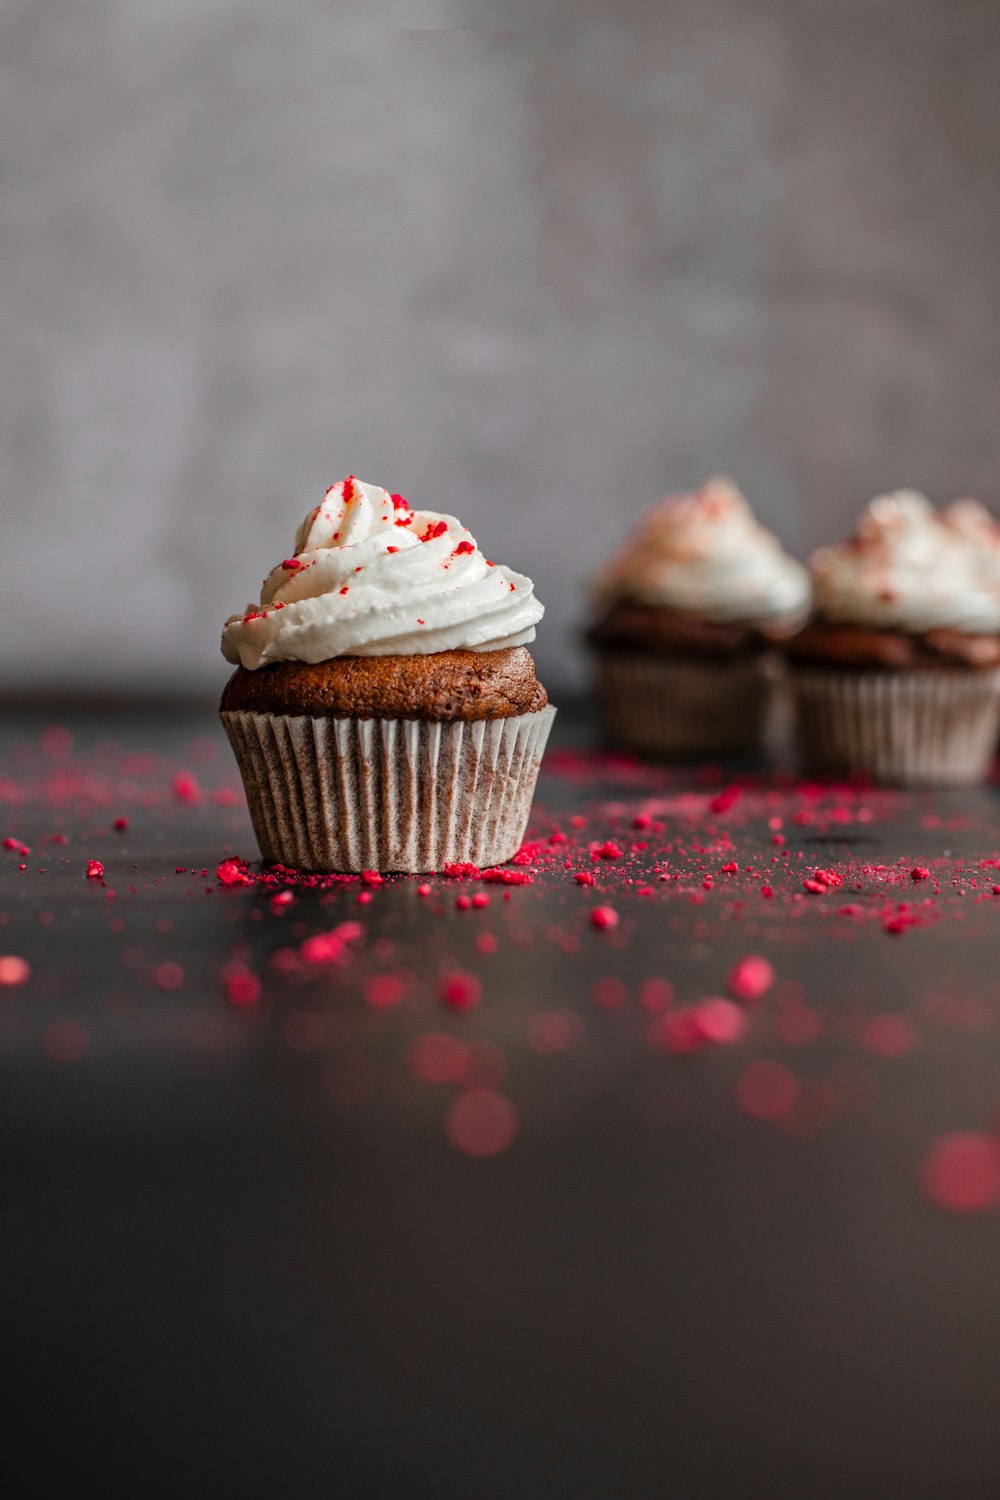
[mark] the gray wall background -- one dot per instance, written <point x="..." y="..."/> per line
<point x="532" y="264"/>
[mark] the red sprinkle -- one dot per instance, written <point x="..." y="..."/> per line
<point x="95" y="870"/>
<point x="604" y="918"/>
<point x="463" y="549"/>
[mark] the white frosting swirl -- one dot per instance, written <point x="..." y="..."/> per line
<point x="980" y="530"/>
<point x="906" y="569"/>
<point x="373" y="577"/>
<point x="705" y="553"/>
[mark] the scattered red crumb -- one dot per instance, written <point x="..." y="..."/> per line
<point x="553" y="1030"/>
<point x="291" y="564"/>
<point x="331" y="947"/>
<point x="656" y="994"/>
<point x="233" y="872"/>
<point x="481" y="1123"/>
<point x="750" y="977"/>
<point x="423" y="890"/>
<point x="487" y="942"/>
<point x="184" y="786"/>
<point x="434" y="529"/>
<point x="241" y="985"/>
<point x="94" y="870"/>
<point x="14" y="971"/>
<point x="603" y="918"/>
<point x="437" y="1057"/>
<point x="960" y="1173"/>
<point x="461" y="991"/>
<point x="889" y="1035"/>
<point x="383" y="991"/>
<point x="609" y="992"/>
<point x="607" y="851"/>
<point x="65" y="1041"/>
<point x="719" y="1020"/>
<point x="169" y="975"/>
<point x="463" y="549"/>
<point x="767" y="1090"/>
<point x="583" y="877"/>
<point x="120" y="825"/>
<point x="919" y="873"/>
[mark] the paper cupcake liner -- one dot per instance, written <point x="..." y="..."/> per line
<point x="934" y="728"/>
<point x="388" y="794"/>
<point x="678" y="706"/>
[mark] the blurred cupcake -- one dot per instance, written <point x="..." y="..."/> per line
<point x="898" y="673"/>
<point x="687" y="613"/>
<point x="385" y="713"/>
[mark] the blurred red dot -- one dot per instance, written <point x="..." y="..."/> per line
<point x="461" y="991"/>
<point x="961" y="1173"/>
<point x="169" y="975"/>
<point x="64" y="1041"/>
<point x="481" y="1123"/>
<point x="889" y="1035"/>
<point x="552" y="1030"/>
<point x="609" y="992"/>
<point x="750" y="978"/>
<point x="766" y="1090"/>
<point x="719" y="1020"/>
<point x="242" y="985"/>
<point x="655" y="994"/>
<point x="437" y="1057"/>
<point x="383" y="991"/>
<point x="14" y="971"/>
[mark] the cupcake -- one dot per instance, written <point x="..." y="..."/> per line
<point x="898" y="672"/>
<point x="687" y="614"/>
<point x="384" y="712"/>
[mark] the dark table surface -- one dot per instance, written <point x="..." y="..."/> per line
<point x="280" y="1220"/>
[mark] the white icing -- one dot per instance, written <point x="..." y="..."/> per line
<point x="909" y="569"/>
<point x="372" y="577"/>
<point x="707" y="554"/>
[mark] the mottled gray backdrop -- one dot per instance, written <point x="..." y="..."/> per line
<point x="532" y="264"/>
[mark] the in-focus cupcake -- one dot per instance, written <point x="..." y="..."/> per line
<point x="898" y="673"/>
<point x="687" y="614"/>
<point x="385" y="713"/>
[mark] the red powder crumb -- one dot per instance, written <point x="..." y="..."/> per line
<point x="889" y="1035"/>
<point x="437" y="1057"/>
<point x="461" y="991"/>
<point x="241" y="985"/>
<point x="607" y="851"/>
<point x="823" y="880"/>
<point x="750" y="978"/>
<point x="919" y="873"/>
<point x="609" y="992"/>
<point x="120" y="825"/>
<point x="291" y="565"/>
<point x="960" y="1173"/>
<point x="553" y="1030"/>
<point x="481" y="1123"/>
<point x="656" y="994"/>
<point x="330" y="947"/>
<point x="719" y="1020"/>
<point x="14" y="971"/>
<point x="233" y="872"/>
<point x="65" y="1041"/>
<point x="185" y="788"/>
<point x="10" y="843"/>
<point x="169" y="975"/>
<point x="487" y="942"/>
<point x="766" y="1090"/>
<point x="383" y="991"/>
<point x="583" y="877"/>
<point x="463" y="549"/>
<point x="603" y="918"/>
<point x="423" y="890"/>
<point x="434" y="530"/>
<point x="95" y="870"/>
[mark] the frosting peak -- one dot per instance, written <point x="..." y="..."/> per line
<point x="371" y="576"/>
<point x="908" y="568"/>
<point x="705" y="553"/>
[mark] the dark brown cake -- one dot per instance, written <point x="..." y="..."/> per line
<point x="861" y="648"/>
<point x="442" y="687"/>
<point x="657" y="630"/>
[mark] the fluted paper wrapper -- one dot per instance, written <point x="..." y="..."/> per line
<point x="676" y="706"/>
<point x="908" y="728"/>
<point x="388" y="794"/>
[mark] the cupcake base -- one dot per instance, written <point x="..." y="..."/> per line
<point x="387" y="794"/>
<point x="681" y="706"/>
<point x="910" y="728"/>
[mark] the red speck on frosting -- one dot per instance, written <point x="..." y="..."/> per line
<point x="399" y="502"/>
<point x="292" y="565"/>
<point x="392" y="549"/>
<point x="434" y="529"/>
<point x="463" y="549"/>
<point x="344" y="590"/>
